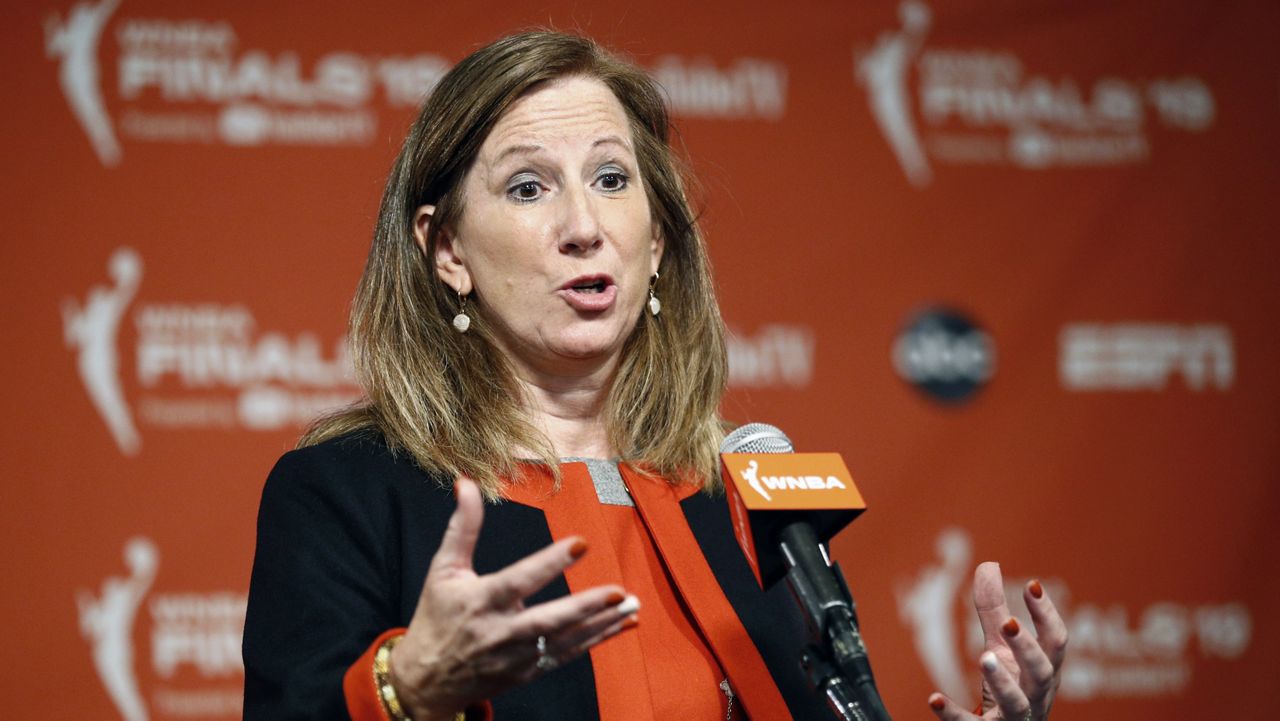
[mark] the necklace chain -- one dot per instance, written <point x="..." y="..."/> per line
<point x="728" y="692"/>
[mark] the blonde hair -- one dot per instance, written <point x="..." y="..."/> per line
<point x="451" y="400"/>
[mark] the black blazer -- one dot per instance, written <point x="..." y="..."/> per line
<point x="346" y="532"/>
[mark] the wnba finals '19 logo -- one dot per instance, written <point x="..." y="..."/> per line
<point x="195" y="366"/>
<point x="192" y="81"/>
<point x="189" y="664"/>
<point x="1154" y="652"/>
<point x="982" y="105"/>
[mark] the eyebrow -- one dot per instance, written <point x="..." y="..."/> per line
<point x="516" y="150"/>
<point x="612" y="140"/>
<point x="529" y="149"/>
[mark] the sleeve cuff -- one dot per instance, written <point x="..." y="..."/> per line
<point x="363" y="701"/>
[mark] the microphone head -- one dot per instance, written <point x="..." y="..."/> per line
<point x="757" y="438"/>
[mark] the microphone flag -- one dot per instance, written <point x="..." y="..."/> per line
<point x="767" y="491"/>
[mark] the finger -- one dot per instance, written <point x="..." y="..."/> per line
<point x="988" y="599"/>
<point x="580" y="644"/>
<point x="524" y="577"/>
<point x="1037" y="673"/>
<point x="580" y="637"/>
<point x="562" y="614"/>
<point x="571" y="625"/>
<point x="459" y="542"/>
<point x="1012" y="702"/>
<point x="581" y="614"/>
<point x="948" y="710"/>
<point x="583" y="637"/>
<point x="1050" y="628"/>
<point x="563" y="651"/>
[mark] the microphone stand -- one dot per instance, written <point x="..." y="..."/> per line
<point x="835" y="659"/>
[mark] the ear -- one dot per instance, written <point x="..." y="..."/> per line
<point x="659" y="243"/>
<point x="448" y="260"/>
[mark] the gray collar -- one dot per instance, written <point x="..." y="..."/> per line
<point x="610" y="488"/>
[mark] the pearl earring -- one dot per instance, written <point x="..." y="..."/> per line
<point x="655" y="305"/>
<point x="462" y="321"/>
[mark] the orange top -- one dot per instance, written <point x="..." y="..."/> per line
<point x="672" y="663"/>
<point x="663" y="668"/>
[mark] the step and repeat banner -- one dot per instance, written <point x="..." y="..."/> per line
<point x="1016" y="260"/>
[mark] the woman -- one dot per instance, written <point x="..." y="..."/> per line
<point x="538" y="299"/>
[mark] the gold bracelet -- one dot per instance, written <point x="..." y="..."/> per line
<point x="386" y="691"/>
<point x="382" y="680"/>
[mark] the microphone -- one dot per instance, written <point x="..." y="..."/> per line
<point x="770" y="487"/>
<point x="785" y="505"/>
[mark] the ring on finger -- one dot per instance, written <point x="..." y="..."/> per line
<point x="546" y="662"/>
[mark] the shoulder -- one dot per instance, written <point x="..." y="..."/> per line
<point x="362" y="456"/>
<point x="352" y="451"/>
<point x="354" y="469"/>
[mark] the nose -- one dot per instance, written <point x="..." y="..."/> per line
<point x="580" y="230"/>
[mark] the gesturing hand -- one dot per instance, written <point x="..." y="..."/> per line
<point x="472" y="636"/>
<point x="1020" y="671"/>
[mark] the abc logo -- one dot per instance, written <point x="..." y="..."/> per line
<point x="944" y="354"/>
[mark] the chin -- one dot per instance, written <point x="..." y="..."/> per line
<point x="589" y="346"/>
<point x="582" y="352"/>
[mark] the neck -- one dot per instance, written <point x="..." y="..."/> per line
<point x="569" y="407"/>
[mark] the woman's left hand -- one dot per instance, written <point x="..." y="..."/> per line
<point x="1020" y="670"/>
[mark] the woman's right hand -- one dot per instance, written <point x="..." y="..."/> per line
<point x="472" y="637"/>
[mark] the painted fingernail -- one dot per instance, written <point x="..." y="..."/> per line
<point x="629" y="605"/>
<point x="937" y="703"/>
<point x="989" y="662"/>
<point x="615" y="598"/>
<point x="1037" y="591"/>
<point x="1010" y="627"/>
<point x="578" y="548"/>
<point x="630" y="622"/>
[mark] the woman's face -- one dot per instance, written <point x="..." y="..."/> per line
<point x="555" y="239"/>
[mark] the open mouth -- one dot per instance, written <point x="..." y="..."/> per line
<point x="590" y="293"/>
<point x="594" y="286"/>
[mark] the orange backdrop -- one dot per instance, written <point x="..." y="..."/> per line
<point x="1011" y="258"/>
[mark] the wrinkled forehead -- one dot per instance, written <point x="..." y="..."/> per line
<point x="571" y="113"/>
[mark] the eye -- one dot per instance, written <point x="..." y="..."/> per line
<point x="612" y="180"/>
<point x="525" y="189"/>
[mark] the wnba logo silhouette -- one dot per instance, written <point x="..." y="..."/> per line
<point x="883" y="71"/>
<point x="927" y="605"/>
<point x="749" y="475"/>
<point x="75" y="43"/>
<point x="106" y="621"/>
<point x="91" y="329"/>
